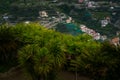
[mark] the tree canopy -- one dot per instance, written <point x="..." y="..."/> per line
<point x="43" y="52"/>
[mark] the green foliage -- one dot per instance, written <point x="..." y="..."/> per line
<point x="101" y="15"/>
<point x="36" y="60"/>
<point x="100" y="61"/>
<point x="8" y="44"/>
<point x="43" y="52"/>
<point x="38" y="51"/>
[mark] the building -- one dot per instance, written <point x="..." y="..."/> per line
<point x="91" y="4"/>
<point x="104" y="37"/>
<point x="104" y="23"/>
<point x="43" y="14"/>
<point x="80" y="1"/>
<point x="90" y="32"/>
<point x="69" y="20"/>
<point x="116" y="41"/>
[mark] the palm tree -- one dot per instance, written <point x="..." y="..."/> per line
<point x="85" y="51"/>
<point x="8" y="44"/>
<point x="36" y="61"/>
<point x="33" y="55"/>
<point x="56" y="49"/>
<point x="43" y="53"/>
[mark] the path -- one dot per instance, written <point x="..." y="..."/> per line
<point x="17" y="74"/>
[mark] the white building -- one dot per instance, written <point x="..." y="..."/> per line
<point x="91" y="4"/>
<point x="5" y="17"/>
<point x="104" y="23"/>
<point x="43" y="14"/>
<point x="97" y="36"/>
<point x="104" y="37"/>
<point x="69" y="20"/>
<point x="83" y="28"/>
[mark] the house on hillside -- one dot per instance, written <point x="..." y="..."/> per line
<point x="91" y="4"/>
<point x="104" y="37"/>
<point x="69" y="20"/>
<point x="43" y="14"/>
<point x="104" y="23"/>
<point x="116" y="41"/>
<point x="83" y="28"/>
<point x="80" y="1"/>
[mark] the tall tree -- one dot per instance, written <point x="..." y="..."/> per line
<point x="8" y="44"/>
<point x="43" y="53"/>
<point x="36" y="61"/>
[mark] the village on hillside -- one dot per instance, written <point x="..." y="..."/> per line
<point x="100" y="19"/>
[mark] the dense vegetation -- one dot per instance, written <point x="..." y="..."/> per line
<point x="43" y="53"/>
<point x="27" y="10"/>
<point x="92" y="18"/>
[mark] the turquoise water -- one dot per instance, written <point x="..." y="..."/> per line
<point x="73" y="29"/>
<point x="68" y="28"/>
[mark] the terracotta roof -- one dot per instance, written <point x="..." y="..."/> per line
<point x="116" y="40"/>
